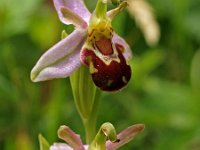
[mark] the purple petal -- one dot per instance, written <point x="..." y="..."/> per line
<point x="77" y="6"/>
<point x="125" y="136"/>
<point x="73" y="139"/>
<point x="60" y="60"/>
<point x="127" y="51"/>
<point x="60" y="146"/>
<point x="69" y="17"/>
<point x="63" y="146"/>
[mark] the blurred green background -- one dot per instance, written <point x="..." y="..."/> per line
<point x="164" y="92"/>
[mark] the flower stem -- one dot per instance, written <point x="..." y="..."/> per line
<point x="90" y="123"/>
<point x="90" y="129"/>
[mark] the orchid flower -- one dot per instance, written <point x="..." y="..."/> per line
<point x="93" y="43"/>
<point x="100" y="142"/>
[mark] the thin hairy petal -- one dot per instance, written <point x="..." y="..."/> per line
<point x="60" y="60"/>
<point x="119" y="40"/>
<point x="60" y="146"/>
<point x="112" y="13"/>
<point x="125" y="136"/>
<point x="77" y="6"/>
<point x="67" y="16"/>
<point x="73" y="139"/>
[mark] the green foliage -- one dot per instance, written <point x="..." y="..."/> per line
<point x="163" y="92"/>
<point x="44" y="145"/>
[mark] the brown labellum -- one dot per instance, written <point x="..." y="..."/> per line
<point x="107" y="76"/>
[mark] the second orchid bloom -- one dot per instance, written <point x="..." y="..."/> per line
<point x="93" y="43"/>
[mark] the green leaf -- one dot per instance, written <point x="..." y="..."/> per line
<point x="44" y="145"/>
<point x="84" y="92"/>
<point x="195" y="71"/>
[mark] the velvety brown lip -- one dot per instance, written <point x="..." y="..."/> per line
<point x="110" y="77"/>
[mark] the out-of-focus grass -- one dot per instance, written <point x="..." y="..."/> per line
<point x="163" y="92"/>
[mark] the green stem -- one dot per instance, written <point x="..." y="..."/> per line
<point x="90" y="129"/>
<point x="90" y="123"/>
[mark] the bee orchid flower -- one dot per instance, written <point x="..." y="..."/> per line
<point x="93" y="43"/>
<point x="107" y="131"/>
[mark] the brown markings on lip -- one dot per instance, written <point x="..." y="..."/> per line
<point x="90" y="34"/>
<point x="104" y="45"/>
<point x="110" y="77"/>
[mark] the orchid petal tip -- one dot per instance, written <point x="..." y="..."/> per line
<point x="33" y="76"/>
<point x="141" y="127"/>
